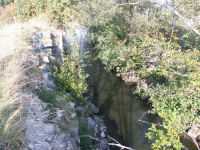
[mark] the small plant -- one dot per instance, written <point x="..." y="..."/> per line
<point x="58" y="11"/>
<point x="85" y="142"/>
<point x="47" y="96"/>
<point x="61" y="11"/>
<point x="71" y="78"/>
<point x="29" y="8"/>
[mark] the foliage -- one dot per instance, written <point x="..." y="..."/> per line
<point x="64" y="11"/>
<point x="85" y="142"/>
<point x="47" y="96"/>
<point x="165" y="57"/>
<point x="188" y="8"/>
<point x="178" y="102"/>
<point x="71" y="78"/>
<point x="95" y="12"/>
<point x="59" y="11"/>
<point x="54" y="98"/>
<point x="179" y="107"/>
<point x="148" y="39"/>
<point x="5" y="2"/>
<point x="190" y="40"/>
<point x="29" y="8"/>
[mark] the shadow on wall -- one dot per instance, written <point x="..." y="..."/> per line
<point x="122" y="109"/>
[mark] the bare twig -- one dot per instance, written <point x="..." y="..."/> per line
<point x="141" y="120"/>
<point x="111" y="138"/>
<point x="185" y="20"/>
<point x="123" y="4"/>
<point x="144" y="122"/>
<point x="116" y="144"/>
<point x="122" y="147"/>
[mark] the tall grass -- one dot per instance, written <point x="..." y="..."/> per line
<point x="16" y="92"/>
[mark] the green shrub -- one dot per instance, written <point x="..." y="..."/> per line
<point x="47" y="96"/>
<point x="142" y="38"/>
<point x="85" y="142"/>
<point x="173" y="81"/>
<point x="54" y="98"/>
<point x="5" y="2"/>
<point x="71" y="78"/>
<point x="190" y="41"/>
<point x="170" y="69"/>
<point x="61" y="11"/>
<point x="30" y="8"/>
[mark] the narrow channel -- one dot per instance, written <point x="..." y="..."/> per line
<point x="121" y="108"/>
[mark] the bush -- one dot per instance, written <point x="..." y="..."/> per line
<point x="139" y="38"/>
<point x="156" y="55"/>
<point x="71" y="78"/>
<point x="29" y="8"/>
<point x="47" y="96"/>
<point x="63" y="11"/>
<point x="5" y="2"/>
<point x="59" y="11"/>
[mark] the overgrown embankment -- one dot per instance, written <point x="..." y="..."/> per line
<point x="157" y="52"/>
<point x="16" y="88"/>
<point x="160" y="60"/>
<point x="151" y="45"/>
<point x="34" y="113"/>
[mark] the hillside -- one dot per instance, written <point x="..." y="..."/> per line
<point x="99" y="75"/>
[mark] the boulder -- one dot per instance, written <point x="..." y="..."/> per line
<point x="191" y="138"/>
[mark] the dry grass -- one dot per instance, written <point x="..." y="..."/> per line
<point x="17" y="81"/>
<point x="19" y="76"/>
<point x="11" y="107"/>
<point x="16" y="92"/>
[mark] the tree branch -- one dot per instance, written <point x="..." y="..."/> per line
<point x="141" y="120"/>
<point x="116" y="144"/>
<point x="123" y="4"/>
<point x="185" y="20"/>
<point x="120" y="146"/>
<point x="111" y="138"/>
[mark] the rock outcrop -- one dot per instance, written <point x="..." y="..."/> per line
<point x="43" y="132"/>
<point x="191" y="138"/>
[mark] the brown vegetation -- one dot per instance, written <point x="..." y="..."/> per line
<point x="7" y="14"/>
